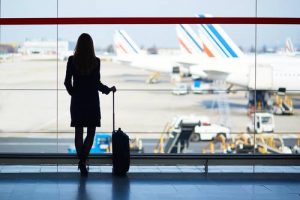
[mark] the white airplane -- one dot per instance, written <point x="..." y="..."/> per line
<point x="129" y="53"/>
<point x="217" y="40"/>
<point x="289" y="49"/>
<point x="193" y="50"/>
<point x="271" y="73"/>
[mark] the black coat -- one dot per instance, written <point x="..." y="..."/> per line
<point x="85" y="102"/>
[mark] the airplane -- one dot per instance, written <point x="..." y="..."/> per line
<point x="289" y="49"/>
<point x="267" y="76"/>
<point x="223" y="62"/>
<point x="129" y="53"/>
<point x="189" y="42"/>
<point x="233" y="66"/>
<point x="218" y="41"/>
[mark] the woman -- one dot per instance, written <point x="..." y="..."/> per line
<point x="84" y="68"/>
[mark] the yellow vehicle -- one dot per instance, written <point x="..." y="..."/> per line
<point x="265" y="143"/>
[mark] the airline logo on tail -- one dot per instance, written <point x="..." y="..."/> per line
<point x="217" y="41"/>
<point x="124" y="44"/>
<point x="189" y="41"/>
<point x="289" y="48"/>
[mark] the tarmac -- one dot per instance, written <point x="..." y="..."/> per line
<point x="35" y="104"/>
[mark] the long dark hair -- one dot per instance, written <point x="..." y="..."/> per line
<point x="84" y="54"/>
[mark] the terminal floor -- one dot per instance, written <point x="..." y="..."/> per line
<point x="149" y="185"/>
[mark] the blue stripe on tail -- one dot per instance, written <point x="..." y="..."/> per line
<point x="191" y="37"/>
<point x="128" y="42"/>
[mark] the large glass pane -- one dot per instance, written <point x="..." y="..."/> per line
<point x="28" y="9"/>
<point x="28" y="79"/>
<point x="225" y="87"/>
<point x="149" y="106"/>
<point x="28" y="57"/>
<point x="146" y="8"/>
<point x="277" y="84"/>
<point x="277" y="8"/>
<point x="28" y="121"/>
<point x="276" y="80"/>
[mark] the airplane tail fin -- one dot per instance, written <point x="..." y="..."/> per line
<point x="189" y="41"/>
<point x="124" y="44"/>
<point x="217" y="40"/>
<point x="289" y="47"/>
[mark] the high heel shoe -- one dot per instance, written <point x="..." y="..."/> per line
<point x="83" y="169"/>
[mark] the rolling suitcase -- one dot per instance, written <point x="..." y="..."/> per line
<point x="120" y="149"/>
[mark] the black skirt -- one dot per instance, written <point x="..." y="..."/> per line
<point x="85" y="110"/>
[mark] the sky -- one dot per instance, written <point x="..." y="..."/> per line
<point x="149" y="35"/>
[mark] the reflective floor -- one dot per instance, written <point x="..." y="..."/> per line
<point x="150" y="185"/>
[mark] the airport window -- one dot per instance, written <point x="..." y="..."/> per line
<point x="185" y="88"/>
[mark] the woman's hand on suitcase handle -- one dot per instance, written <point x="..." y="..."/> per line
<point x="113" y="89"/>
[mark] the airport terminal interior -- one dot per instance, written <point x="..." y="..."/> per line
<point x="212" y="109"/>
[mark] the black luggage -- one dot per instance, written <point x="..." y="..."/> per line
<point x="120" y="149"/>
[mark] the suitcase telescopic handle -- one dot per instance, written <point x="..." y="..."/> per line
<point x="113" y="111"/>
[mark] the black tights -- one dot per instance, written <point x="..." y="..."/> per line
<point x="83" y="147"/>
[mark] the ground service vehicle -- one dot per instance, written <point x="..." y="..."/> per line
<point x="203" y="129"/>
<point x="261" y="122"/>
<point x="201" y="87"/>
<point x="208" y="131"/>
<point x="102" y="144"/>
<point x="180" y="89"/>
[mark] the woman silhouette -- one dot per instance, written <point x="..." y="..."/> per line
<point x="84" y="68"/>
